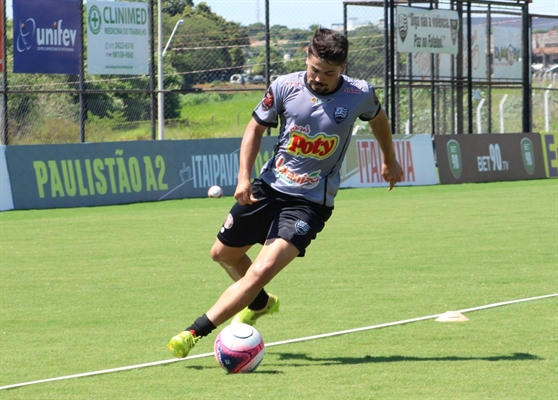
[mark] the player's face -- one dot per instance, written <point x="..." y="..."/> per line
<point x="321" y="76"/>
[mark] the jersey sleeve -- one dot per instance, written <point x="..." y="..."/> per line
<point x="373" y="105"/>
<point x="267" y="111"/>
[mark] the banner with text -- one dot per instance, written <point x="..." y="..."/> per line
<point x="421" y="65"/>
<point x="550" y="153"/>
<point x="489" y="157"/>
<point x="363" y="164"/>
<point x="118" y="38"/>
<point x="507" y="55"/>
<point x="47" y="36"/>
<point x="426" y="31"/>
<point x="76" y="175"/>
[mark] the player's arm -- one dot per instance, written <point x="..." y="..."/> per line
<point x="249" y="149"/>
<point x="391" y="170"/>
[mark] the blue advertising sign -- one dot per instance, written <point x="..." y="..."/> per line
<point x="47" y="36"/>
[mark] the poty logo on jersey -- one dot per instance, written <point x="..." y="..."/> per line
<point x="319" y="146"/>
<point x="55" y="38"/>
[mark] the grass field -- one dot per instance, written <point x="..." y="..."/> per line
<point x="89" y="289"/>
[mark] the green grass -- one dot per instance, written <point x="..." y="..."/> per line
<point x="207" y="115"/>
<point x="88" y="289"/>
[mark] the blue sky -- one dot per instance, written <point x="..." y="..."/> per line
<point x="303" y="13"/>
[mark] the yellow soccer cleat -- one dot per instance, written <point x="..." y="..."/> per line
<point x="249" y="317"/>
<point x="181" y="344"/>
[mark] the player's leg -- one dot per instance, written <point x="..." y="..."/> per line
<point x="275" y="255"/>
<point x="234" y="260"/>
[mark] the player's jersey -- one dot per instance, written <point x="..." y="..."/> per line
<point x="314" y="134"/>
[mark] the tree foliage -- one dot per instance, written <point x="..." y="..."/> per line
<point x="176" y="7"/>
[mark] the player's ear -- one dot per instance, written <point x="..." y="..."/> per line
<point x="344" y="67"/>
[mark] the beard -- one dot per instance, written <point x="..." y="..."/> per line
<point x="318" y="87"/>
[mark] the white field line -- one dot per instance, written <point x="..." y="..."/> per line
<point x="324" y="335"/>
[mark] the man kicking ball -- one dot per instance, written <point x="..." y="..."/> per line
<point x="288" y="205"/>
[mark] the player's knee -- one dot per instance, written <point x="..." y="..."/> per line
<point x="223" y="256"/>
<point x="261" y="274"/>
<point x="218" y="255"/>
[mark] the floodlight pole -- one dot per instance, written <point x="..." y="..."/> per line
<point x="161" y="53"/>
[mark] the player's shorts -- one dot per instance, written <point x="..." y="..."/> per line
<point x="274" y="215"/>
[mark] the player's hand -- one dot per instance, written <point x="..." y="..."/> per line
<point x="243" y="193"/>
<point x="392" y="173"/>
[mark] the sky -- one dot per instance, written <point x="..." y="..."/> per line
<point x="304" y="13"/>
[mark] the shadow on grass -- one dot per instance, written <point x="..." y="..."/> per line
<point x="369" y="359"/>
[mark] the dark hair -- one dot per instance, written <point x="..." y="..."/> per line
<point x="329" y="46"/>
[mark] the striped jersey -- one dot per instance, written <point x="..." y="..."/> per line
<point x="314" y="134"/>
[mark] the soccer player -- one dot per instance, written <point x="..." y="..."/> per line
<point x="288" y="205"/>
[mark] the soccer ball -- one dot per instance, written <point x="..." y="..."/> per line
<point x="239" y="348"/>
<point x="215" y="191"/>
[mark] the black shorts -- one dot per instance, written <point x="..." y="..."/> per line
<point x="274" y="215"/>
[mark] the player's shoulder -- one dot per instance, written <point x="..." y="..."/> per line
<point x="355" y="86"/>
<point x="292" y="80"/>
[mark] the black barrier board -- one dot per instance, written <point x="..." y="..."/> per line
<point x="92" y="174"/>
<point x="489" y="157"/>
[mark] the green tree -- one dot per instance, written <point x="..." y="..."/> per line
<point x="176" y="7"/>
<point x="211" y="48"/>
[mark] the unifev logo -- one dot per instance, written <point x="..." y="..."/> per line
<point x="94" y="20"/>
<point x="26" y="34"/>
<point x="528" y="155"/>
<point x="56" y="37"/>
<point x="454" y="158"/>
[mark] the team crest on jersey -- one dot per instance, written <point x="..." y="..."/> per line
<point x="302" y="227"/>
<point x="268" y="100"/>
<point x="340" y="114"/>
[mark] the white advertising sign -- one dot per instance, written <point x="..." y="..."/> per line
<point x="507" y="53"/>
<point x="363" y="163"/>
<point x="426" y="31"/>
<point x="6" y="199"/>
<point x="117" y="34"/>
<point x="422" y="65"/>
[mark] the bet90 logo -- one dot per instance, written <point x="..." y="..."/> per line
<point x="528" y="155"/>
<point x="454" y="158"/>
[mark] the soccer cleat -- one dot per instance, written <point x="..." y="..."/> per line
<point x="181" y="344"/>
<point x="249" y="317"/>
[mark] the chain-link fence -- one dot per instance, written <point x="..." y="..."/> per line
<point x="215" y="71"/>
<point x="445" y="94"/>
